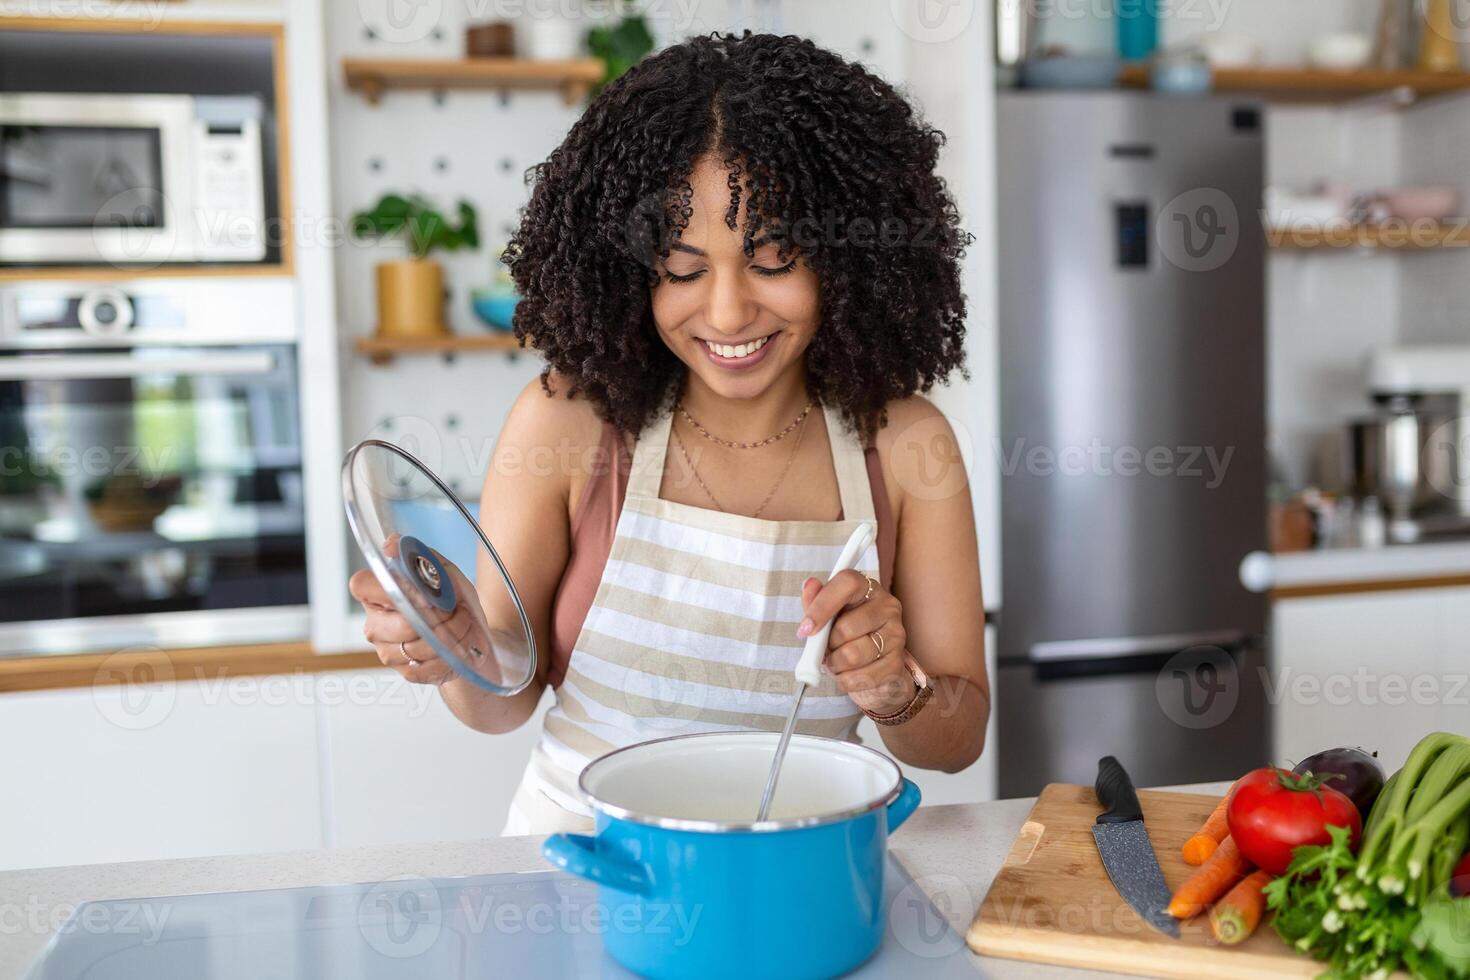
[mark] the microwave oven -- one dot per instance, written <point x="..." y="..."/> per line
<point x="130" y="179"/>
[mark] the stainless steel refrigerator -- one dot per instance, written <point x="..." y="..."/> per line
<point x="1133" y="446"/>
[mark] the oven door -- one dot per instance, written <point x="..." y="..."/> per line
<point x="150" y="496"/>
<point x="96" y="179"/>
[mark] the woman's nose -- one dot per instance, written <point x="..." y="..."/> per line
<point x="731" y="308"/>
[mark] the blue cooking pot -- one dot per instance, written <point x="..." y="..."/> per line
<point x="693" y="887"/>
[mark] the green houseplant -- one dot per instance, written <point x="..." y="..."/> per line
<point x="411" y="291"/>
<point x="620" y="46"/>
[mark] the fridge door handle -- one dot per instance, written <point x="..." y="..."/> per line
<point x="1125" y="647"/>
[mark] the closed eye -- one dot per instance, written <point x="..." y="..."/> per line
<point x="761" y="270"/>
<point x="690" y="277"/>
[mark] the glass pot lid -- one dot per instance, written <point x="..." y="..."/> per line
<point x="437" y="566"/>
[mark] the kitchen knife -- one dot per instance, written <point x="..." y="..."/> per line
<point x="1126" y="852"/>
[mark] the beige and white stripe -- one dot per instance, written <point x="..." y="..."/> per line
<point x="693" y="629"/>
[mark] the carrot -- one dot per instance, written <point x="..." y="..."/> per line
<point x="1211" y="833"/>
<point x="1214" y="878"/>
<point x="1236" y="916"/>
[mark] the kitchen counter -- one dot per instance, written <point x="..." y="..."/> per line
<point x="1329" y="571"/>
<point x="953" y="852"/>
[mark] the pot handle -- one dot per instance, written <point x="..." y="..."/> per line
<point x="903" y="805"/>
<point x="577" y="853"/>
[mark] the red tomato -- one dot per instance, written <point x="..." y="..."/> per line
<point x="1460" y="878"/>
<point x="1275" y="811"/>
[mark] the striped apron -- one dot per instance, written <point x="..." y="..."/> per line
<point x="692" y="629"/>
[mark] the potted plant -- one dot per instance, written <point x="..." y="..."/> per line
<point x="622" y="45"/>
<point x="411" y="291"/>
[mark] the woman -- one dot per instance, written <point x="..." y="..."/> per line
<point x="741" y="269"/>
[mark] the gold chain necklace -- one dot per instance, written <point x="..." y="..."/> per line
<point x="795" y="448"/>
<point x="729" y="444"/>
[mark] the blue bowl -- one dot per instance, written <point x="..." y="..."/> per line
<point x="496" y="309"/>
<point x="694" y="898"/>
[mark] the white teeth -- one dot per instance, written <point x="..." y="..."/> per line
<point x="738" y="350"/>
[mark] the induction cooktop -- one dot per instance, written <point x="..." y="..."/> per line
<point x="530" y="925"/>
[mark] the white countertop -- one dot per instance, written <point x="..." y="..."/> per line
<point x="954" y="852"/>
<point x="1330" y="566"/>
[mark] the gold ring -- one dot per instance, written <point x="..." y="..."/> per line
<point x="403" y="649"/>
<point x="868" y="594"/>
<point x="879" y="643"/>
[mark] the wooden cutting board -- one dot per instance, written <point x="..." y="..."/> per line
<point x="1053" y="902"/>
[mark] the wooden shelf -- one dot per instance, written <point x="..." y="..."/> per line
<point x="382" y="351"/>
<point x="206" y="664"/>
<point x="1408" y="236"/>
<point x="1320" y="85"/>
<point x="372" y="77"/>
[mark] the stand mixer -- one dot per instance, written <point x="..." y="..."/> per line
<point x="1415" y="454"/>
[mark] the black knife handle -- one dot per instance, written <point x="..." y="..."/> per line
<point x="1115" y="791"/>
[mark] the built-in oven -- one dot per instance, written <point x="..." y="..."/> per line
<point x="131" y="179"/>
<point x="151" y="487"/>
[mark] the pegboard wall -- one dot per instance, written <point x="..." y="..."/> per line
<point x="477" y="146"/>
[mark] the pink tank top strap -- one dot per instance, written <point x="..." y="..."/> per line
<point x="595" y="522"/>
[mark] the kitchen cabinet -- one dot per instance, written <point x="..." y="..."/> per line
<point x="1377" y="669"/>
<point x="129" y="772"/>
<point x="401" y="769"/>
<point x="138" y="771"/>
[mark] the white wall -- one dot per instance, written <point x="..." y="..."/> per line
<point x="139" y="770"/>
<point x="1329" y="307"/>
<point x="1325" y="309"/>
<point x="1434" y="293"/>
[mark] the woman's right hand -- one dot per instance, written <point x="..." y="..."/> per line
<point x="397" y="644"/>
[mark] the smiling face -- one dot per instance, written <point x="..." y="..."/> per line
<point x="738" y="322"/>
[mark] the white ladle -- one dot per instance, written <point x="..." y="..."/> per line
<point x="808" y="669"/>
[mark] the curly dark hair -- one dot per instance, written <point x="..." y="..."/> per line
<point x="835" y="165"/>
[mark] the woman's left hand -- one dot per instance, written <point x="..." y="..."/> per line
<point x="868" y="643"/>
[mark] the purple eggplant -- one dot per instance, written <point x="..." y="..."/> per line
<point x="1361" y="777"/>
